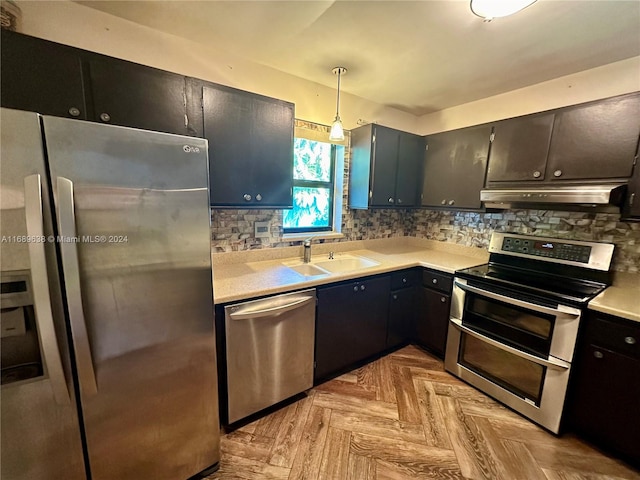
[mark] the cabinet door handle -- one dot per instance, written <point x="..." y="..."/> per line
<point x="105" y="117"/>
<point x="536" y="174"/>
<point x="399" y="200"/>
<point x="362" y="287"/>
<point x="434" y="281"/>
<point x="355" y="289"/>
<point x="443" y="299"/>
<point x="443" y="202"/>
<point x="598" y="354"/>
<point x="630" y="340"/>
<point x="74" y="112"/>
<point x="451" y="202"/>
<point x="390" y="199"/>
<point x="395" y="297"/>
<point x="404" y="280"/>
<point x="557" y="173"/>
<point x="247" y="197"/>
<point x="258" y="197"/>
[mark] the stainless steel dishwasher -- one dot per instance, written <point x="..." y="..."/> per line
<point x="269" y="345"/>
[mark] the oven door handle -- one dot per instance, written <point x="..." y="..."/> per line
<point x="560" y="311"/>
<point x="549" y="363"/>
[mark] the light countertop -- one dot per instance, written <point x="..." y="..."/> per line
<point x="621" y="299"/>
<point x="248" y="274"/>
<point x="244" y="275"/>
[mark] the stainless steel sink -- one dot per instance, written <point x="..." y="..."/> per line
<point x="346" y="263"/>
<point x="306" y="269"/>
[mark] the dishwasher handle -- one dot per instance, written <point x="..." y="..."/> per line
<point x="270" y="311"/>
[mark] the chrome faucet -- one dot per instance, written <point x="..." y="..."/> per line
<point x="307" y="250"/>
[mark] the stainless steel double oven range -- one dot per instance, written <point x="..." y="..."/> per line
<point x="514" y="321"/>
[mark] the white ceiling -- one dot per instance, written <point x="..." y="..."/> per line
<point x="416" y="56"/>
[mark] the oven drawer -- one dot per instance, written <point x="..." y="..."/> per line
<point x="437" y="281"/>
<point x="618" y="335"/>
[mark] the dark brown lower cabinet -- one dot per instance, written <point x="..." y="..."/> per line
<point x="605" y="387"/>
<point x="432" y="310"/>
<point x="432" y="320"/>
<point x="351" y="323"/>
<point x="401" y="308"/>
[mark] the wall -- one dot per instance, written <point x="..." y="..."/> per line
<point x="74" y="24"/>
<point x="83" y="27"/>
<point x="597" y="83"/>
<point x="233" y="230"/>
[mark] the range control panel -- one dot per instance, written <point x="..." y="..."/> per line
<point x="547" y="249"/>
<point x="578" y="253"/>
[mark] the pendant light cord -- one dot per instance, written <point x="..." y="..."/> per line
<point x="338" y="97"/>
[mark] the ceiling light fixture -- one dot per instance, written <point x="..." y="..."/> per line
<point x="490" y="9"/>
<point x="337" y="132"/>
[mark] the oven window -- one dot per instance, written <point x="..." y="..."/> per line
<point x="516" y="374"/>
<point x="513" y="325"/>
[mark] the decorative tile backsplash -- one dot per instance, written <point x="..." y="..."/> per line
<point x="474" y="229"/>
<point x="233" y="230"/>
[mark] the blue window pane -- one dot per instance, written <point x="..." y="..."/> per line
<point x="312" y="160"/>
<point x="311" y="208"/>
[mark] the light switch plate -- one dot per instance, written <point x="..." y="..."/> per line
<point x="261" y="230"/>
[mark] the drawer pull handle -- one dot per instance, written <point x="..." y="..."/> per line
<point x="355" y="289"/>
<point x="362" y="287"/>
<point x="630" y="340"/>
<point x="443" y="299"/>
<point x="598" y="354"/>
<point x="395" y="297"/>
<point x="404" y="280"/>
<point x="434" y="281"/>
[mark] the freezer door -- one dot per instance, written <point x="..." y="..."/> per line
<point x="40" y="431"/>
<point x="133" y="218"/>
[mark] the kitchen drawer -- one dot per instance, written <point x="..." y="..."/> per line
<point x="403" y="279"/>
<point x="437" y="281"/>
<point x="617" y="334"/>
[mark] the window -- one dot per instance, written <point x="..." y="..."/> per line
<point x="313" y="187"/>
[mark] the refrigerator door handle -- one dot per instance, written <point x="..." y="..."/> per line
<point x="40" y="286"/>
<point x="71" y="269"/>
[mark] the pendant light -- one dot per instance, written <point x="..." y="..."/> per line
<point x="337" y="132"/>
<point x="489" y="9"/>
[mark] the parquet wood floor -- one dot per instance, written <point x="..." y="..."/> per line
<point x="403" y="417"/>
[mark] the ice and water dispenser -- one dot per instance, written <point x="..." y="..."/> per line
<point x="21" y="358"/>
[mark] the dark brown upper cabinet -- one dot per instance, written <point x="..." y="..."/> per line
<point x="595" y="141"/>
<point x="54" y="79"/>
<point x="385" y="167"/>
<point x="455" y="168"/>
<point x="250" y="148"/>
<point x="520" y="148"/>
<point x="132" y="95"/>
<point x="588" y="142"/>
<point x="41" y="76"/>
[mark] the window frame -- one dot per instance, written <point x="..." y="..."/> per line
<point x="317" y="184"/>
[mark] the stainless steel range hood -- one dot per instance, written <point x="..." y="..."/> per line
<point x="606" y="197"/>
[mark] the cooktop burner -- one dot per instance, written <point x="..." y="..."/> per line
<point x="567" y="270"/>
<point x="540" y="283"/>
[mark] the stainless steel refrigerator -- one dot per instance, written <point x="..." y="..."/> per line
<point x="108" y="348"/>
